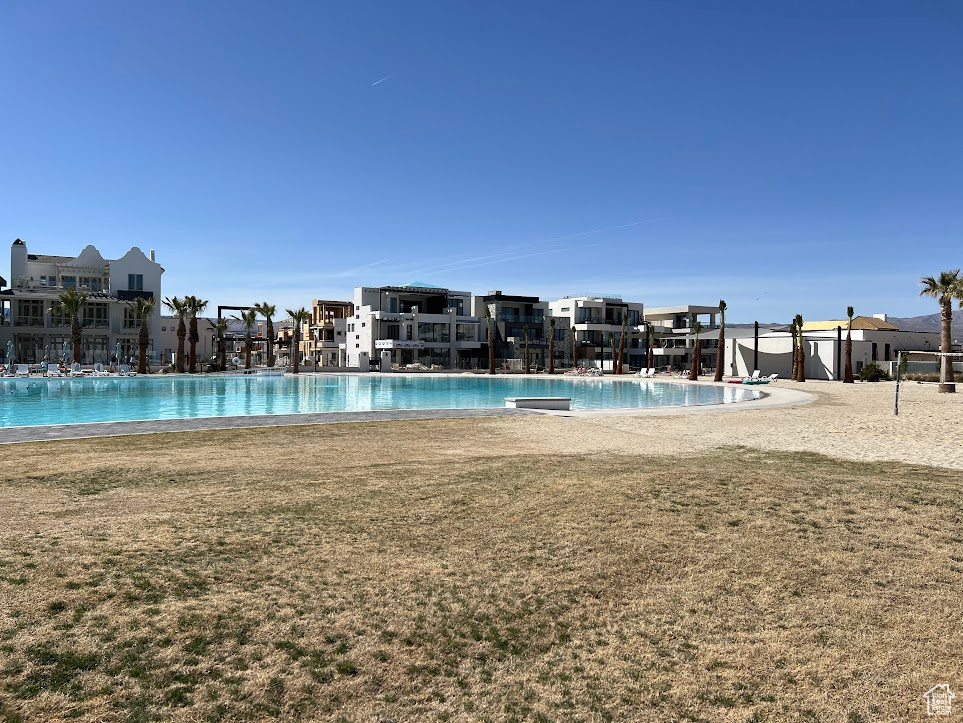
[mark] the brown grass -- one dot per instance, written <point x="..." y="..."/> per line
<point x="391" y="572"/>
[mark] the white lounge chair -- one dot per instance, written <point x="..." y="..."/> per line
<point x="75" y="370"/>
<point x="54" y="371"/>
<point x="755" y="376"/>
<point x="99" y="371"/>
<point x="123" y="370"/>
<point x="23" y="370"/>
<point x="772" y="377"/>
<point x="650" y="372"/>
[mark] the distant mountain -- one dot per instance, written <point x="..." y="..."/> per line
<point x="930" y="322"/>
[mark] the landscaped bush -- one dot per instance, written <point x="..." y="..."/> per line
<point x="916" y="377"/>
<point x="873" y="372"/>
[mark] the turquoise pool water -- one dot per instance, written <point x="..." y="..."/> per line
<point x="28" y="402"/>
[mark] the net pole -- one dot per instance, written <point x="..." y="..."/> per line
<point x="899" y="365"/>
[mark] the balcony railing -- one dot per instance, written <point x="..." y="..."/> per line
<point x="29" y="321"/>
<point x="522" y="318"/>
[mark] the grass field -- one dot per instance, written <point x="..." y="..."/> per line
<point x="422" y="571"/>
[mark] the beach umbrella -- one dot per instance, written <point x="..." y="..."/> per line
<point x="9" y="352"/>
<point x="117" y="351"/>
<point x="46" y="353"/>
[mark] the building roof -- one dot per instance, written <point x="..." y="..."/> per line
<point x="860" y="323"/>
<point x="47" y="259"/>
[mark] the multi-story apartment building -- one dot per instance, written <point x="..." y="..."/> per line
<point x="29" y="318"/>
<point x="400" y="325"/>
<point x="673" y="328"/>
<point x="511" y="316"/>
<point x="593" y="319"/>
<point x="323" y="335"/>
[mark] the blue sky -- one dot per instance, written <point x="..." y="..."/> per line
<point x="788" y="157"/>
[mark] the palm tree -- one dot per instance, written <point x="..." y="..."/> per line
<point x="625" y="331"/>
<point x="721" y="352"/>
<point x="528" y="357"/>
<point x="551" y="345"/>
<point x="180" y="310"/>
<point x="696" y="354"/>
<point x="195" y="306"/>
<point x="491" y="340"/>
<point x="143" y="309"/>
<point x="574" y="350"/>
<point x="70" y="304"/>
<point x="795" y="357"/>
<point x="249" y="319"/>
<point x="299" y="318"/>
<point x="650" y="353"/>
<point x="800" y="351"/>
<point x="220" y="328"/>
<point x="267" y="311"/>
<point x="944" y="288"/>
<point x="848" y="369"/>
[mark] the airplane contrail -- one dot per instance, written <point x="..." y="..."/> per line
<point x="385" y="78"/>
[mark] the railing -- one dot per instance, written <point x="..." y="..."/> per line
<point x="29" y="321"/>
<point x="522" y="318"/>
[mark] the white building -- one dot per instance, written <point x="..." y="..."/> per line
<point x="674" y="327"/>
<point x="594" y="318"/>
<point x="29" y="320"/>
<point x="874" y="340"/>
<point x="399" y="325"/>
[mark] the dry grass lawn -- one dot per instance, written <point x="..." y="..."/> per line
<point x="424" y="571"/>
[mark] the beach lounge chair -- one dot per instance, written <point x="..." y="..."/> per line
<point x="75" y="370"/>
<point x="23" y="370"/>
<point x="123" y="370"/>
<point x="54" y="371"/>
<point x="99" y="371"/>
<point x="755" y="375"/>
<point x="650" y="372"/>
<point x="772" y="377"/>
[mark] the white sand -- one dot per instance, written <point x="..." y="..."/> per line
<point x="851" y="421"/>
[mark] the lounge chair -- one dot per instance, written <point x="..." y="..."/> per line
<point x="772" y="377"/>
<point x="123" y="370"/>
<point x="755" y="375"/>
<point x="54" y="371"/>
<point x="99" y="371"/>
<point x="75" y="370"/>
<point x="23" y="370"/>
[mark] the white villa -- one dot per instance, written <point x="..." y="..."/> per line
<point x="594" y="318"/>
<point x="874" y="340"/>
<point x="674" y="326"/>
<point x="28" y="318"/>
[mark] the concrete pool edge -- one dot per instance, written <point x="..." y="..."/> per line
<point x="771" y="399"/>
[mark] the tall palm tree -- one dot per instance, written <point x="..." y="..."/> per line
<point x="491" y="340"/>
<point x="795" y="356"/>
<point x="299" y="317"/>
<point x="650" y="352"/>
<point x="574" y="350"/>
<point x="800" y="351"/>
<point x="625" y="331"/>
<point x="551" y="345"/>
<point x="70" y="304"/>
<point x="195" y="306"/>
<point x="249" y="319"/>
<point x="848" y="369"/>
<point x="180" y="310"/>
<point x="220" y="328"/>
<point x="721" y="352"/>
<point x="267" y="311"/>
<point x="528" y="357"/>
<point x="143" y="309"/>
<point x="945" y="288"/>
<point x="696" y="354"/>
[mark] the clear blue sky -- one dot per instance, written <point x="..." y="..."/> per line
<point x="788" y="157"/>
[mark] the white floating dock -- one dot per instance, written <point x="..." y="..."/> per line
<point x="564" y="403"/>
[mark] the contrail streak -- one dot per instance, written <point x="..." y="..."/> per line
<point x="385" y="78"/>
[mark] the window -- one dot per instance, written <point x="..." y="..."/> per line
<point x="130" y="319"/>
<point x="95" y="315"/>
<point x="43" y="280"/>
<point x="68" y="282"/>
<point x="29" y="313"/>
<point x="135" y="282"/>
<point x="875" y="352"/>
<point x="886" y="353"/>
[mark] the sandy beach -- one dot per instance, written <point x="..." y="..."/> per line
<point x="853" y="422"/>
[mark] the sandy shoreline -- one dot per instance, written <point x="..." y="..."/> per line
<point x="847" y="421"/>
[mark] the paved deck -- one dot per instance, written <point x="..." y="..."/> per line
<point x="15" y="435"/>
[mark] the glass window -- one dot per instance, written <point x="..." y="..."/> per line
<point x="135" y="282"/>
<point x="68" y="282"/>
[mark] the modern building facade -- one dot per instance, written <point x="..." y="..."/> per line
<point x="417" y="323"/>
<point x="323" y="335"/>
<point x="673" y="330"/>
<point x="29" y="318"/>
<point x="594" y="319"/>
<point x="511" y="318"/>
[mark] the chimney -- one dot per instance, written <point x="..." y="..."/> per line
<point x="152" y="257"/>
<point x="495" y="292"/>
<point x="18" y="262"/>
<point x="881" y="317"/>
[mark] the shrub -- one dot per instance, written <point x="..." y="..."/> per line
<point x="873" y="372"/>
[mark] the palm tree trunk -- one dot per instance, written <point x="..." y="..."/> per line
<point x="270" y="342"/>
<point x="696" y="362"/>
<point x="574" y="351"/>
<point x="650" y="356"/>
<point x="947" y="378"/>
<point x="795" y="356"/>
<point x="721" y="353"/>
<point x="622" y="352"/>
<point x="848" y="369"/>
<point x="76" y="338"/>
<point x="295" y="351"/>
<point x="143" y="341"/>
<point x="181" y="334"/>
<point x="222" y="354"/>
<point x="491" y="349"/>
<point x="801" y="363"/>
<point x="247" y="349"/>
<point x="551" y="353"/>
<point x="528" y="359"/>
<point x="612" y="344"/>
<point x="192" y="360"/>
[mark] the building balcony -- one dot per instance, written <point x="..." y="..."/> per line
<point x="29" y="321"/>
<point x="398" y="344"/>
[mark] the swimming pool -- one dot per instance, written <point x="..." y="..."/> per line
<point x="29" y="402"/>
